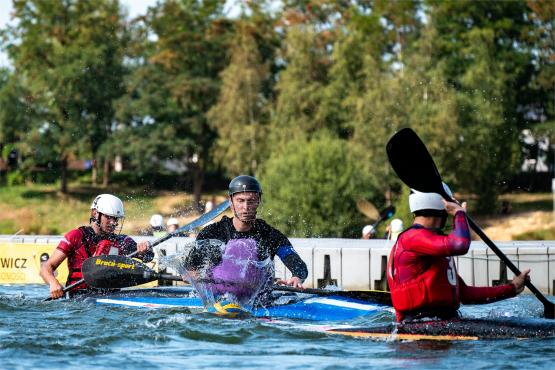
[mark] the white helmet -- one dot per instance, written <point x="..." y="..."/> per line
<point x="156" y="220"/>
<point x="419" y="201"/>
<point x="108" y="205"/>
<point x="172" y="221"/>
<point x="368" y="229"/>
<point x="396" y="225"/>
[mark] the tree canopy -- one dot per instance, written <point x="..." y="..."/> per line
<point x="297" y="95"/>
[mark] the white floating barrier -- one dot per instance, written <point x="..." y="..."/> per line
<point x="352" y="264"/>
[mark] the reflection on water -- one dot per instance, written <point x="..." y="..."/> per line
<point x="65" y="334"/>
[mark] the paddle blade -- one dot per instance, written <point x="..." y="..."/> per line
<point x="112" y="272"/>
<point x="368" y="209"/>
<point x="412" y="162"/>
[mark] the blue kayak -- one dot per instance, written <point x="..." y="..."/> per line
<point x="293" y="306"/>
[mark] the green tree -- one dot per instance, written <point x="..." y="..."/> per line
<point x="300" y="86"/>
<point x="542" y="36"/>
<point x="175" y="83"/>
<point x="311" y="190"/>
<point x="362" y="37"/>
<point x="489" y="134"/>
<point x="242" y="113"/>
<point x="391" y="99"/>
<point x="16" y="110"/>
<point x="488" y="59"/>
<point x="68" y="55"/>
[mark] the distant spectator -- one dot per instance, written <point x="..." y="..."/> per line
<point x="368" y="232"/>
<point x="172" y="224"/>
<point x="157" y="225"/>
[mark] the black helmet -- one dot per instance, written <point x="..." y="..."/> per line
<point x="244" y="183"/>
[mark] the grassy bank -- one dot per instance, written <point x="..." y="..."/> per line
<point x="530" y="217"/>
<point x="42" y="209"/>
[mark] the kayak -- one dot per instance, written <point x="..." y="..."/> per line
<point x="459" y="329"/>
<point x="311" y="307"/>
<point x="285" y="305"/>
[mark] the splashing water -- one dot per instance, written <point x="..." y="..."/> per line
<point x="220" y="272"/>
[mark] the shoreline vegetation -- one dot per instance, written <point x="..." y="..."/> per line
<point x="42" y="209"/>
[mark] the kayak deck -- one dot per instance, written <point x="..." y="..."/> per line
<point x="299" y="306"/>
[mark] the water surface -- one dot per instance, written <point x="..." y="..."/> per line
<point x="69" y="334"/>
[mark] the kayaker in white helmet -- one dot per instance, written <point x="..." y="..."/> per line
<point x="157" y="225"/>
<point x="421" y="271"/>
<point x="172" y="224"/>
<point x="101" y="237"/>
<point x="368" y="232"/>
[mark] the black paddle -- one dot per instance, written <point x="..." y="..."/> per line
<point x="385" y="214"/>
<point x="414" y="165"/>
<point x="111" y="272"/>
<point x="377" y="296"/>
<point x="205" y="218"/>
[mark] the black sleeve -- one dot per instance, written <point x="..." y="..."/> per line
<point x="129" y="246"/>
<point x="273" y="238"/>
<point x="296" y="265"/>
<point x="215" y="231"/>
<point x="281" y="246"/>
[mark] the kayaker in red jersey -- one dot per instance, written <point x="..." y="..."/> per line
<point x="421" y="271"/>
<point x="86" y="241"/>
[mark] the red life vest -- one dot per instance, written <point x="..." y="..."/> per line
<point x="436" y="287"/>
<point x="88" y="246"/>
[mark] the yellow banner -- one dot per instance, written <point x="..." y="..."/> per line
<point x="20" y="263"/>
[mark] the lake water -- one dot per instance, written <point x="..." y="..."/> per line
<point x="70" y="334"/>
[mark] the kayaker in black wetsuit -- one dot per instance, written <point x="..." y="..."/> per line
<point x="245" y="194"/>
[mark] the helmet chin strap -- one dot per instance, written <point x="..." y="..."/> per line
<point x="443" y="221"/>
<point x="96" y="220"/>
